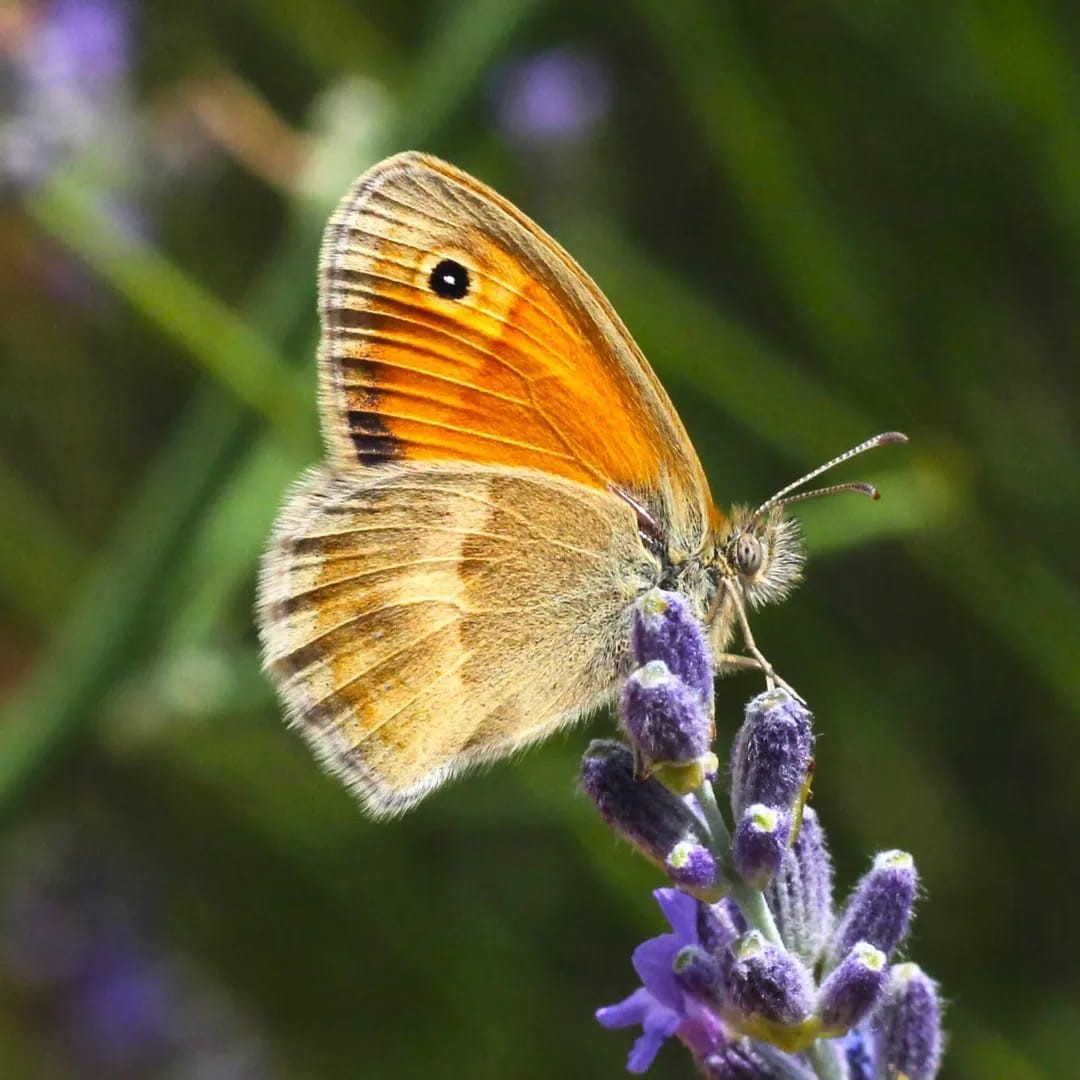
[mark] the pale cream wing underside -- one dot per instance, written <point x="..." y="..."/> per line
<point x="418" y="619"/>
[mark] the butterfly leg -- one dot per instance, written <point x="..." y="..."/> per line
<point x="756" y="659"/>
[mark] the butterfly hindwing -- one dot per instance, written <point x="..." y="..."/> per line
<point x="421" y="618"/>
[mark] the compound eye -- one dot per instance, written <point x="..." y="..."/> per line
<point x="748" y="554"/>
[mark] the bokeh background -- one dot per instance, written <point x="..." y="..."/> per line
<point x="820" y="220"/>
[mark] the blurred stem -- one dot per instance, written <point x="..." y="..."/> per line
<point x="227" y="347"/>
<point x="824" y="1061"/>
<point x="744" y="130"/>
<point x="100" y="636"/>
<point x="39" y="560"/>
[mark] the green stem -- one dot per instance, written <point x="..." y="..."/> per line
<point x="824" y="1061"/>
<point x="714" y="819"/>
<point x="756" y="911"/>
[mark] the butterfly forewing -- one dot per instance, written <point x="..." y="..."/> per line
<point x="529" y="367"/>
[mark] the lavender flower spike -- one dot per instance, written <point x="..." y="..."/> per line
<point x="769" y="994"/>
<point x="644" y="812"/>
<point x="670" y="726"/>
<point x="908" y="1026"/>
<point x="760" y="843"/>
<point x="852" y="990"/>
<point x="879" y="910"/>
<point x="771" y="755"/>
<point x="666" y="628"/>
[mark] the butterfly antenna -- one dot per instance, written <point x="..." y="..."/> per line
<point x="784" y="496"/>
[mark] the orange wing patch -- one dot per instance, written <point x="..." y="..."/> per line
<point x="520" y="361"/>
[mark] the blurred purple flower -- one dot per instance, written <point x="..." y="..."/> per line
<point x="80" y="44"/>
<point x="66" y="72"/>
<point x="75" y="931"/>
<point x="557" y="95"/>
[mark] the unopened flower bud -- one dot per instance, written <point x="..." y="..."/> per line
<point x="666" y="628"/>
<point x="759" y="843"/>
<point x="852" y="990"/>
<point x="719" y="926"/>
<point x="767" y="983"/>
<point x="907" y="1025"/>
<point x="772" y="752"/>
<point x="669" y="725"/>
<point x="741" y="1061"/>
<point x="697" y="972"/>
<point x="800" y="895"/>
<point x="644" y="812"/>
<point x="879" y="910"/>
<point x="693" y="868"/>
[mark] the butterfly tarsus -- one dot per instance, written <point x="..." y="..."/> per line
<point x="756" y="659"/>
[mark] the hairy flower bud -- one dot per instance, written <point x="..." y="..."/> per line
<point x="669" y="725"/>
<point x="759" y="843"/>
<point x="742" y="1061"/>
<point x="800" y="895"/>
<point x="879" y="910"/>
<point x="692" y="867"/>
<point x="907" y="1025"/>
<point x="719" y="926"/>
<point x="771" y="756"/>
<point x="767" y="983"/>
<point x="697" y="972"/>
<point x="665" y="628"/>
<point x="852" y="990"/>
<point x="644" y="812"/>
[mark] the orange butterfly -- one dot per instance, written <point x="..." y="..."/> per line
<point x="505" y="476"/>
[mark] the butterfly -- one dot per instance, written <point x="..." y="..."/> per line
<point x="504" y="477"/>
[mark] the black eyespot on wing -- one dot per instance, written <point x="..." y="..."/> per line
<point x="450" y="280"/>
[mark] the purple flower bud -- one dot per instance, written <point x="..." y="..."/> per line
<point x="759" y="843"/>
<point x="800" y="895"/>
<point x="692" y="866"/>
<point x="644" y="812"/>
<point x="852" y="989"/>
<point x="719" y="926"/>
<point x="740" y="1061"/>
<point x="666" y="628"/>
<point x="772" y="752"/>
<point x="767" y="983"/>
<point x="666" y="720"/>
<point x="907" y="1026"/>
<point x="879" y="910"/>
<point x="697" y="972"/>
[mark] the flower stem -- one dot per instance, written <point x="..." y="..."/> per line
<point x="824" y="1061"/>
<point x="756" y="912"/>
<point x="721" y="834"/>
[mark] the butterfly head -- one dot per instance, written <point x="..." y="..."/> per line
<point x="759" y="553"/>
<point x="762" y="553"/>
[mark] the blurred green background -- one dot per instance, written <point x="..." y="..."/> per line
<point x="819" y="220"/>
